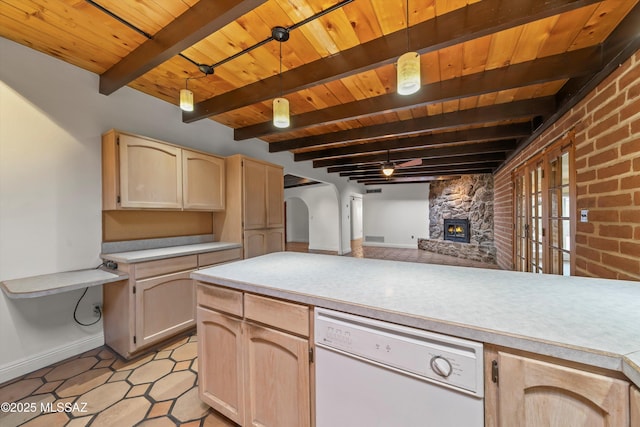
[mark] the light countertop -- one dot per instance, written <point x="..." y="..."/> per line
<point x="167" y="252"/>
<point x="49" y="284"/>
<point x="586" y="320"/>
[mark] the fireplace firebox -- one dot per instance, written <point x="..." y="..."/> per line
<point x="457" y="230"/>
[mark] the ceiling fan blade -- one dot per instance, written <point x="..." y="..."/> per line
<point x="414" y="162"/>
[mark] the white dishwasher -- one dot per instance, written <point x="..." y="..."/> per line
<point x="378" y="374"/>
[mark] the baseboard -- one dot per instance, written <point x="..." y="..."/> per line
<point x="33" y="363"/>
<point x="392" y="245"/>
<point x="321" y="249"/>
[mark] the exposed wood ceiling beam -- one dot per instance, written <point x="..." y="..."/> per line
<point x="198" y="22"/>
<point x="458" y="26"/>
<point x="623" y="42"/>
<point x="407" y="180"/>
<point x="442" y="161"/>
<point x="493" y="113"/>
<point x="496" y="133"/>
<point x="424" y="153"/>
<point x="475" y="168"/>
<point x="551" y="68"/>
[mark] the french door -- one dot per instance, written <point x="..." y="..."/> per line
<point x="544" y="211"/>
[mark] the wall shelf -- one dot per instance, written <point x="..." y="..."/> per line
<point x="55" y="283"/>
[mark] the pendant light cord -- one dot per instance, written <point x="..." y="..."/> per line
<point x="408" y="43"/>
<point x="280" y="76"/>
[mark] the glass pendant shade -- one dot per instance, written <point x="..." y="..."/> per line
<point x="281" y="113"/>
<point x="408" y="73"/>
<point x="186" y="100"/>
<point x="387" y="169"/>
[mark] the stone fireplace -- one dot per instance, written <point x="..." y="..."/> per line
<point x="464" y="202"/>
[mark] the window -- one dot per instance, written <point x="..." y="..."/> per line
<point x="544" y="211"/>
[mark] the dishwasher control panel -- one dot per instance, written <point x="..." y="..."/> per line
<point x="440" y="358"/>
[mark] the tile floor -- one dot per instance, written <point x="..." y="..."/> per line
<point x="100" y="389"/>
<point x="159" y="389"/>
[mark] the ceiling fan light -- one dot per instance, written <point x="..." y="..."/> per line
<point x="408" y="73"/>
<point x="387" y="169"/>
<point x="281" y="113"/>
<point x="186" y="100"/>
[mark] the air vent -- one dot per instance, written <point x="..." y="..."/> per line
<point x="376" y="239"/>
<point x="374" y="190"/>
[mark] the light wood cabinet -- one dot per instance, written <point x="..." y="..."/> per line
<point x="635" y="407"/>
<point x="532" y="393"/>
<point x="254" y="214"/>
<point x="254" y="194"/>
<point x="203" y="181"/>
<point x="254" y="358"/>
<point x="165" y="306"/>
<point x="220" y="370"/>
<point x="263" y="241"/>
<point x="274" y="183"/>
<point x="156" y="303"/>
<point x="143" y="173"/>
<point x="276" y="378"/>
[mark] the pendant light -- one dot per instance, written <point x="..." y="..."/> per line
<point x="387" y="167"/>
<point x="408" y="68"/>
<point x="281" y="117"/>
<point x="186" y="97"/>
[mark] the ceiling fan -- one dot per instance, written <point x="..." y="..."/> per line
<point x="388" y="168"/>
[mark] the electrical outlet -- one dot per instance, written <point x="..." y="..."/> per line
<point x="97" y="310"/>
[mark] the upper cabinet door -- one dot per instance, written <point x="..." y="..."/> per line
<point x="150" y="174"/>
<point x="255" y="207"/>
<point x="275" y="197"/>
<point x="203" y="181"/>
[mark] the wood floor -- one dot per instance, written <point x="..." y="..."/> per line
<point x="396" y="254"/>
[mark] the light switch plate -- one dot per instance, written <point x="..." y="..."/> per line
<point x="584" y="215"/>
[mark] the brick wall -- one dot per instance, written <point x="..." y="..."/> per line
<point x="607" y="137"/>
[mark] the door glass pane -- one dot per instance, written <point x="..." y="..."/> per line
<point x="543" y="213"/>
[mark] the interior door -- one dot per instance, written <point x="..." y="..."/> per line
<point x="544" y="211"/>
<point x="561" y="205"/>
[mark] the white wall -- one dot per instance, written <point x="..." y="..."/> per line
<point x="51" y="120"/>
<point x="324" y="215"/>
<point x="297" y="220"/>
<point x="400" y="214"/>
<point x="356" y="217"/>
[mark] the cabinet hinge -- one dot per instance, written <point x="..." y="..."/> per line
<point x="118" y="140"/>
<point x="134" y="289"/>
<point x="494" y="371"/>
<point x="310" y="354"/>
<point x="118" y="199"/>
<point x="134" y="339"/>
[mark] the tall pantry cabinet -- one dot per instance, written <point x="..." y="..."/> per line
<point x="254" y="214"/>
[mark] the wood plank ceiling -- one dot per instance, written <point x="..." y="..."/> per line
<point x="495" y="73"/>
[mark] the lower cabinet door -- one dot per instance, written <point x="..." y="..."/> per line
<point x="220" y="367"/>
<point x="254" y="243"/>
<point x="535" y="393"/>
<point x="635" y="407"/>
<point x="165" y="305"/>
<point x="277" y="378"/>
<point x="275" y="240"/>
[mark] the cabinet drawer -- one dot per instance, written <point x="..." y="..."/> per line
<point x="282" y="315"/>
<point x="221" y="299"/>
<point x="166" y="266"/>
<point x="218" y="257"/>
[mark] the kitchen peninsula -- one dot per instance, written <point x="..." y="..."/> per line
<point x="583" y="326"/>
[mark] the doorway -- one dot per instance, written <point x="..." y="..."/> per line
<point x="297" y="225"/>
